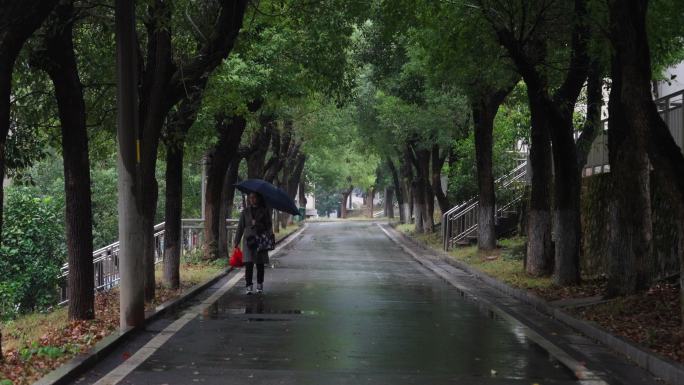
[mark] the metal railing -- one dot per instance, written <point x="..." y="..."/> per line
<point x="461" y="221"/>
<point x="106" y="259"/>
<point x="672" y="112"/>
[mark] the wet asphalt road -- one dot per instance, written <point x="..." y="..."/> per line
<point x="345" y="305"/>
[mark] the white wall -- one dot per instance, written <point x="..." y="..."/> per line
<point x="672" y="85"/>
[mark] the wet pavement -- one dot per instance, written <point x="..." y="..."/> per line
<point x="346" y="305"/>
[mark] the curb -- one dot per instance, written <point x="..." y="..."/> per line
<point x="659" y="366"/>
<point x="71" y="369"/>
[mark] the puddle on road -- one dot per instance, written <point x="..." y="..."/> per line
<point x="215" y="311"/>
<point x="254" y="319"/>
<point x="248" y="310"/>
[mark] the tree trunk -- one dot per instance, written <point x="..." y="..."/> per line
<point x="567" y="175"/>
<point x="629" y="136"/>
<point x="343" y="205"/>
<point x="295" y="179"/>
<point x="484" y="111"/>
<point x="150" y="199"/>
<point x="554" y="117"/>
<point x="154" y="104"/>
<point x="389" y="202"/>
<point x="177" y="129"/>
<point x="60" y="63"/>
<point x="163" y="85"/>
<point x="429" y="213"/>
<point x="406" y="171"/>
<point x="302" y="196"/>
<point x="227" y="198"/>
<point x="401" y="196"/>
<point x="369" y="201"/>
<point x="418" y="206"/>
<point x="539" y="245"/>
<point x="172" y="213"/>
<point x="232" y="177"/>
<point x="129" y="181"/>
<point x="256" y="160"/>
<point x="230" y="131"/>
<point x="567" y="184"/>
<point x="436" y="178"/>
<point x="423" y="191"/>
<point x="346" y="195"/>
<point x="283" y="150"/>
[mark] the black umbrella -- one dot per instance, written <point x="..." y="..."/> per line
<point x="274" y="197"/>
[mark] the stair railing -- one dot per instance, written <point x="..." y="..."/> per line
<point x="460" y="222"/>
<point x="106" y="259"/>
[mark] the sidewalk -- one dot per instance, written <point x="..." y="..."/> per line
<point x="532" y="312"/>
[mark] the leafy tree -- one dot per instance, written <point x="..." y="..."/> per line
<point x="338" y="160"/>
<point x="17" y="23"/>
<point x="32" y="252"/>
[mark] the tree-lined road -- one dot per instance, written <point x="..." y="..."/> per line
<point x="344" y="304"/>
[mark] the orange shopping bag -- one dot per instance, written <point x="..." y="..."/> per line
<point x="236" y="258"/>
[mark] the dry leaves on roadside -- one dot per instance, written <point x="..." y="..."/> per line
<point x="651" y="319"/>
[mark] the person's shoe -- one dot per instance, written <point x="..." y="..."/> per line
<point x="260" y="288"/>
<point x="249" y="290"/>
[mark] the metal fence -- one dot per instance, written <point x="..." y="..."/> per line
<point x="672" y="112"/>
<point x="106" y="259"/>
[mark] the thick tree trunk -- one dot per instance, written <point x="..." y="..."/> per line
<point x="302" y="195"/>
<point x="429" y="213"/>
<point x="293" y="180"/>
<point x="172" y="213"/>
<point x="371" y="203"/>
<point x="150" y="198"/>
<point x="177" y="128"/>
<point x="484" y="111"/>
<point x="345" y="197"/>
<point x="436" y="178"/>
<point x="256" y="160"/>
<point x="59" y="62"/>
<point x="227" y="198"/>
<point x="230" y="131"/>
<point x="424" y="197"/>
<point x="629" y="138"/>
<point x="401" y="195"/>
<point x="539" y="260"/>
<point x="418" y="205"/>
<point x="554" y="116"/>
<point x="129" y="181"/>
<point x="227" y="192"/>
<point x="567" y="176"/>
<point x="283" y="150"/>
<point x="162" y="85"/>
<point x="389" y="202"/>
<point x="407" y="186"/>
<point x="566" y="203"/>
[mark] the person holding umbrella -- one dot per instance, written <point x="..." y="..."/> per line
<point x="257" y="227"/>
<point x="255" y="220"/>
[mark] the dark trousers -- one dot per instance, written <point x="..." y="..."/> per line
<point x="249" y="272"/>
